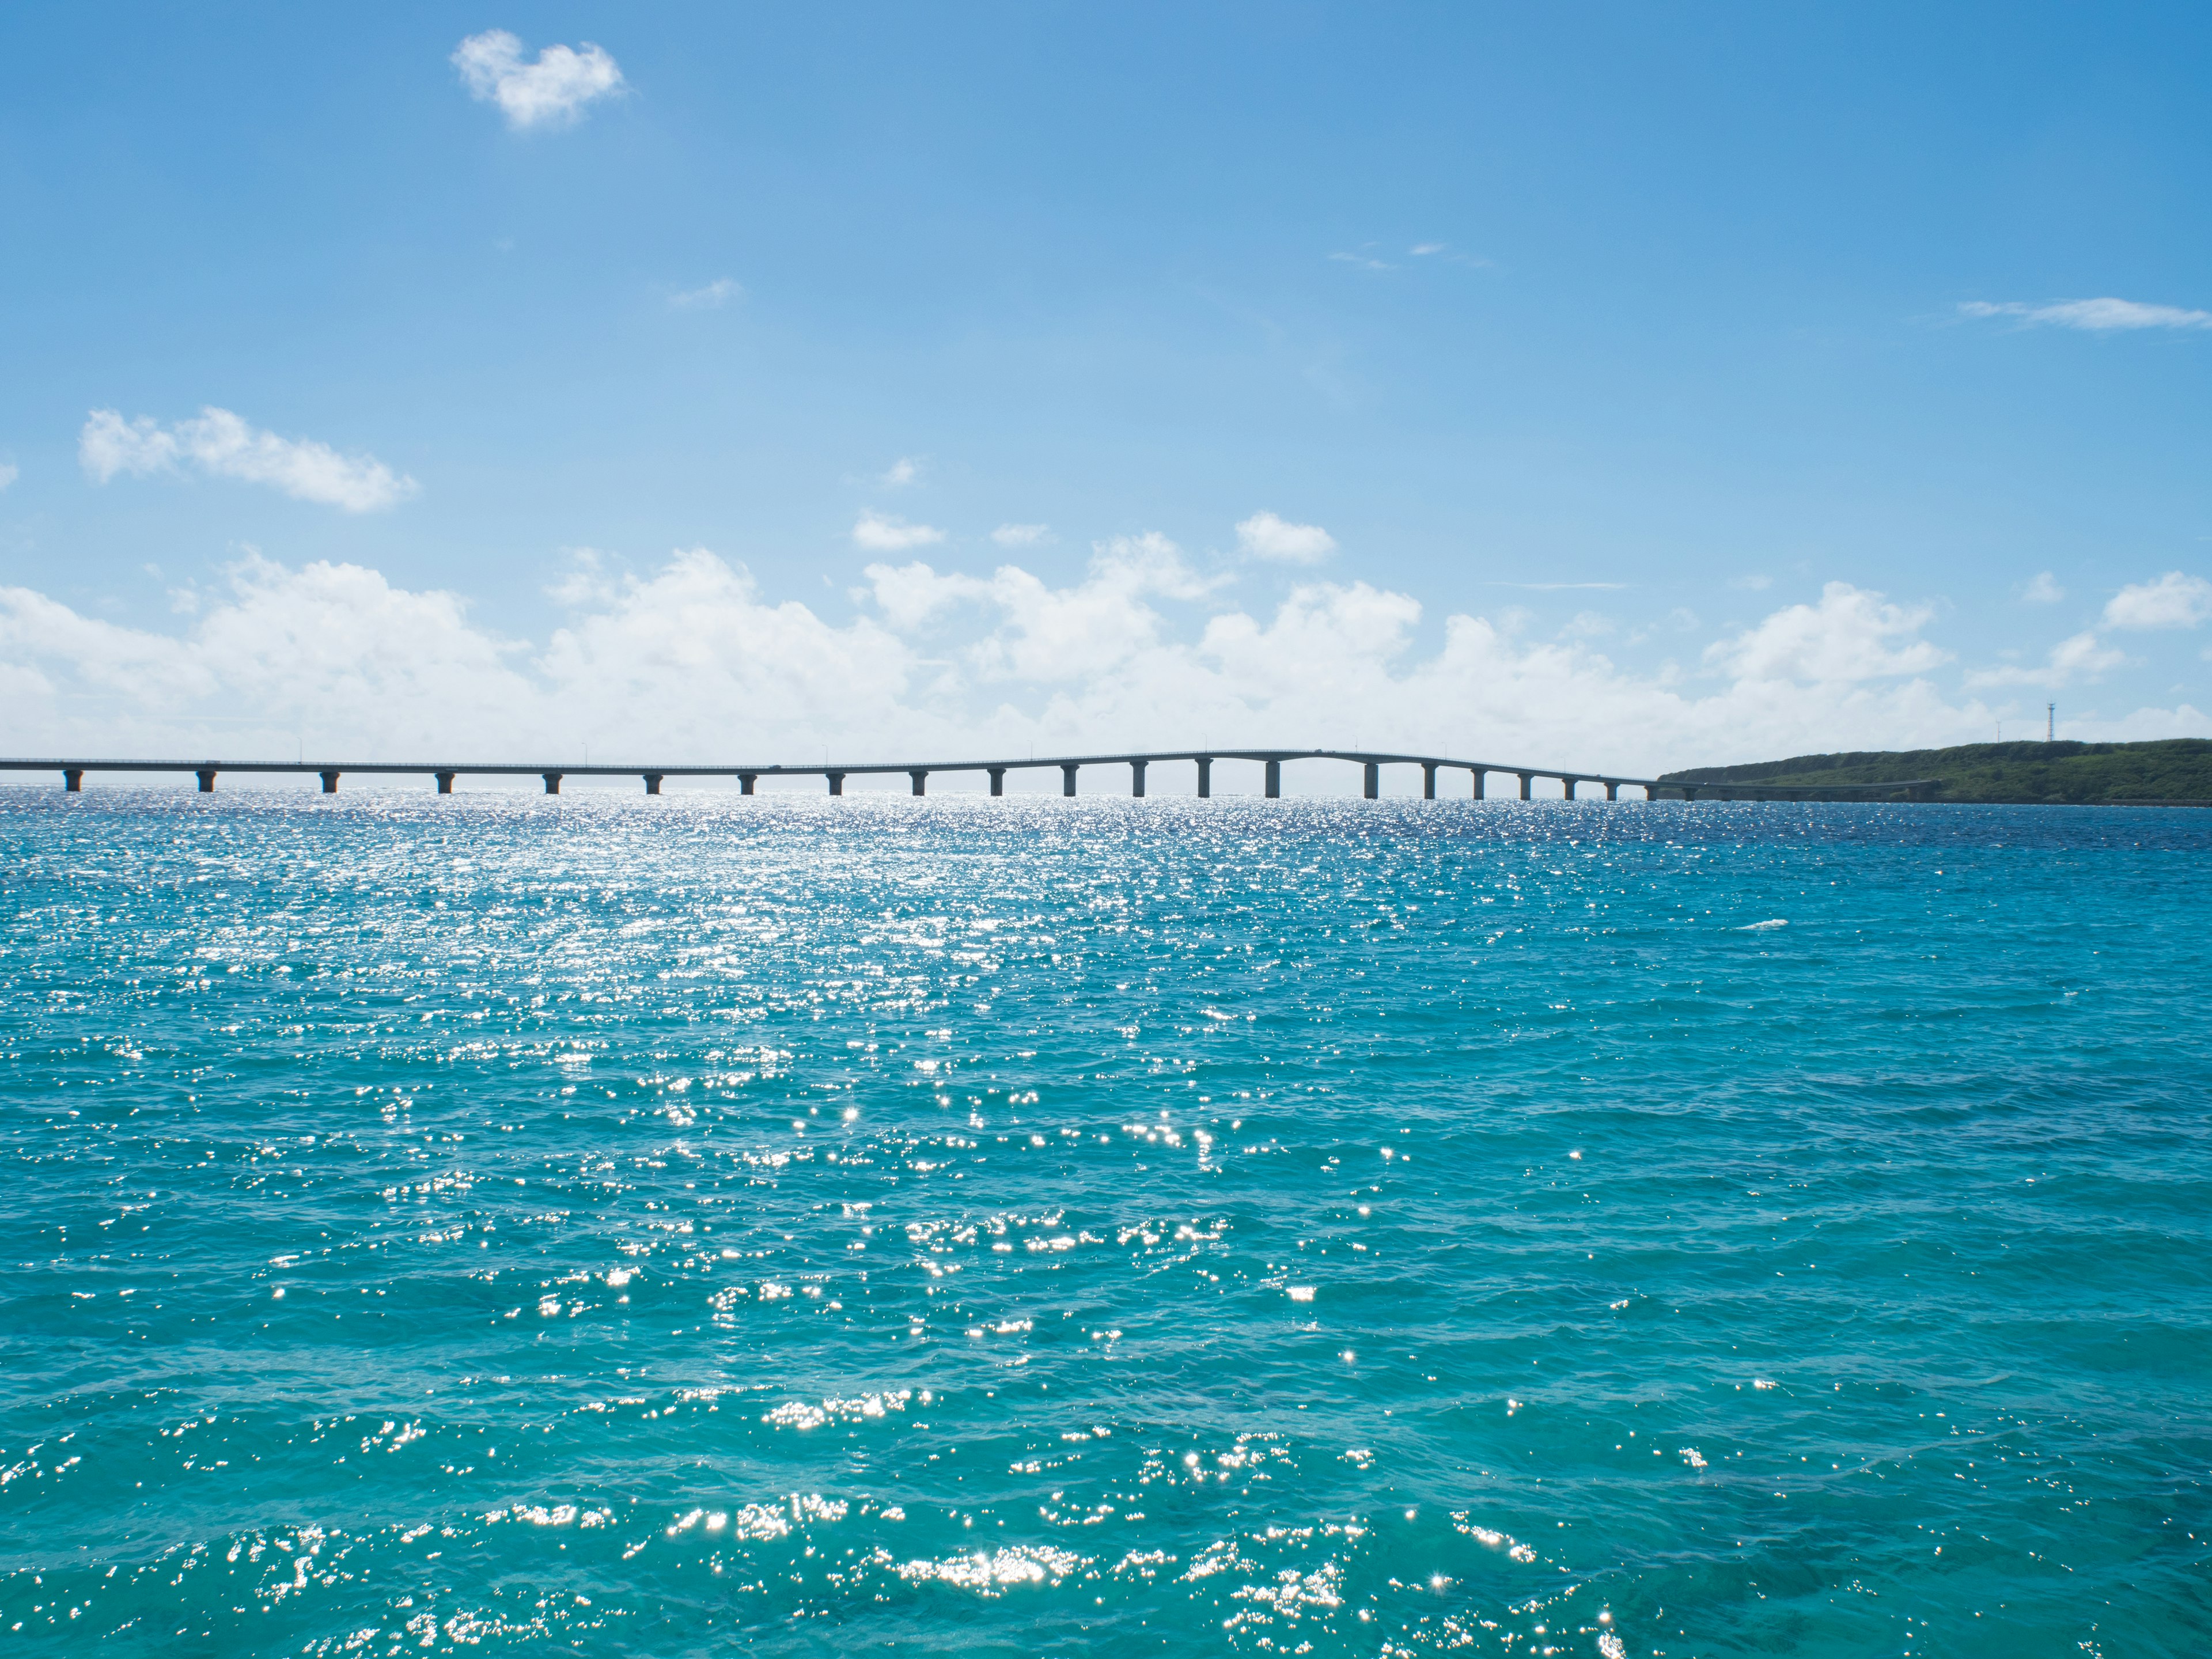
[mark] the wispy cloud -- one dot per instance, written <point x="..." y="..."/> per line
<point x="1364" y="261"/>
<point x="222" y="446"/>
<point x="1756" y="582"/>
<point x="1445" y="252"/>
<point x="901" y="472"/>
<point x="553" y="90"/>
<point x="881" y="533"/>
<point x="2105" y="316"/>
<point x="2174" y="600"/>
<point x="1559" y="587"/>
<point x="714" y="295"/>
<point x="7" y="474"/>
<point x="1264" y="536"/>
<point x="2042" y="588"/>
<point x="1021" y="535"/>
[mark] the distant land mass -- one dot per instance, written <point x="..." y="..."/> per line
<point x="2175" y="770"/>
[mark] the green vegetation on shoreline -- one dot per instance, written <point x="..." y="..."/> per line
<point x="2084" y="774"/>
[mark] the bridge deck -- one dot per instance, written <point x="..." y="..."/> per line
<point x="73" y="771"/>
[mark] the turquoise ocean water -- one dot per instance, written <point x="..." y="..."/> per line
<point x="697" y="1225"/>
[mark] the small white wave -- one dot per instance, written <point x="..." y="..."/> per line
<point x="1761" y="927"/>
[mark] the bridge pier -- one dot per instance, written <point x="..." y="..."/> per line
<point x="1527" y="778"/>
<point x="918" y="778"/>
<point x="552" y="782"/>
<point x="1137" y="779"/>
<point x="1612" y="790"/>
<point x="445" y="782"/>
<point x="1479" y="775"/>
<point x="1428" y="780"/>
<point x="997" y="780"/>
<point x="652" y="783"/>
<point x="1066" y="780"/>
<point x="746" y="780"/>
<point x="73" y="780"/>
<point x="1274" y="778"/>
<point x="1205" y="776"/>
<point x="329" y="783"/>
<point x="836" y="782"/>
<point x="206" y="781"/>
<point x="1370" y="785"/>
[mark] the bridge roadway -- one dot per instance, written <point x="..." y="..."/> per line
<point x="73" y="772"/>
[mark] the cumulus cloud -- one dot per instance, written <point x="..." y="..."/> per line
<point x="2174" y="600"/>
<point x="1264" y="536"/>
<point x="1137" y="650"/>
<point x="2105" y="316"/>
<point x="2083" y="655"/>
<point x="1045" y="633"/>
<point x="714" y="295"/>
<point x="1021" y="535"/>
<point x="879" y="533"/>
<point x="220" y="445"/>
<point x="1852" y="635"/>
<point x="552" y="90"/>
<point x="2042" y="588"/>
<point x="901" y="472"/>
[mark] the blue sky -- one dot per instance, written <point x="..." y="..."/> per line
<point x="1668" y="384"/>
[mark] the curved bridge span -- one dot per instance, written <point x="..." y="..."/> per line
<point x="835" y="774"/>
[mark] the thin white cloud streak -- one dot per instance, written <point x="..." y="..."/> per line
<point x="877" y="533"/>
<point x="552" y="90"/>
<point x="714" y="295"/>
<point x="1264" y="536"/>
<point x="691" y="661"/>
<point x="2174" y="600"/>
<point x="2105" y="316"/>
<point x="1021" y="535"/>
<point x="222" y="446"/>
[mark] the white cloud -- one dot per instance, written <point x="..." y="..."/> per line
<point x="1365" y="261"/>
<point x="714" y="295"/>
<point x="222" y="446"/>
<point x="2043" y="589"/>
<point x="880" y="534"/>
<point x="2083" y="654"/>
<point x="1045" y="633"/>
<point x="1852" y="635"/>
<point x="7" y="474"/>
<point x="1021" y="535"/>
<point x="1264" y="536"/>
<point x="1421" y="250"/>
<point x="1135" y="651"/>
<point x="901" y="472"/>
<point x="2174" y="600"/>
<point x="2096" y="316"/>
<point x="1755" y="583"/>
<point x="555" y="89"/>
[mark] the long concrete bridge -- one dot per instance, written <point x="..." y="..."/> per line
<point x="73" y="773"/>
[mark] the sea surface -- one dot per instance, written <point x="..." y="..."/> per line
<point x="701" y="1224"/>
